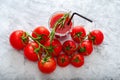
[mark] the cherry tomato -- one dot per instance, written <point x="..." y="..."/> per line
<point x="41" y="34"/>
<point x="85" y="48"/>
<point x="69" y="47"/>
<point x="47" y="65"/>
<point x="54" y="48"/>
<point x="63" y="60"/>
<point x="32" y="51"/>
<point x="78" y="33"/>
<point x="18" y="39"/>
<point x="77" y="60"/>
<point x="96" y="36"/>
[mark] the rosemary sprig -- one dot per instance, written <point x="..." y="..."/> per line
<point x="60" y="24"/>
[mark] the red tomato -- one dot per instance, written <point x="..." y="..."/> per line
<point x="78" y="33"/>
<point x="63" y="60"/>
<point x="54" y="48"/>
<point x="55" y="18"/>
<point x="41" y="34"/>
<point x="47" y="65"/>
<point x="85" y="48"/>
<point x="96" y="36"/>
<point x="32" y="52"/>
<point x="69" y="47"/>
<point x="77" y="60"/>
<point x="18" y="39"/>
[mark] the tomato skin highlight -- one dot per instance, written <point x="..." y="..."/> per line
<point x="63" y="60"/>
<point x="96" y="36"/>
<point x="78" y="33"/>
<point x="48" y="66"/>
<point x="29" y="51"/>
<point x="42" y="33"/>
<point x="77" y="60"/>
<point x="69" y="47"/>
<point x="85" y="48"/>
<point x="56" y="47"/>
<point x="16" y="41"/>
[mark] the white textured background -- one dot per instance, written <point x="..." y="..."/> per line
<point x="103" y="64"/>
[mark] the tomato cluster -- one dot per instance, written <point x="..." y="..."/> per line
<point x="48" y="51"/>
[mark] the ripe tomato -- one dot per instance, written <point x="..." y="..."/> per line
<point x="78" y="33"/>
<point x="32" y="52"/>
<point x="47" y="65"/>
<point x="54" y="48"/>
<point x="63" y="60"/>
<point x="41" y="34"/>
<point x="85" y="48"/>
<point x="77" y="60"/>
<point x="96" y="36"/>
<point x="69" y="47"/>
<point x="18" y="39"/>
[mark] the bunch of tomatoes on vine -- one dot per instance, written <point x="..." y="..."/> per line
<point x="44" y="46"/>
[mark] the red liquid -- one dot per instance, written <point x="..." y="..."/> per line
<point x="60" y="31"/>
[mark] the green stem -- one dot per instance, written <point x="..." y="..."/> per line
<point x="40" y="45"/>
<point x="83" y="39"/>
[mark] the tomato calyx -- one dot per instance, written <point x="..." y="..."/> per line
<point x="78" y="34"/>
<point x="24" y="38"/>
<point x="76" y="59"/>
<point x="39" y="37"/>
<point x="82" y="49"/>
<point x="63" y="60"/>
<point x="45" y="59"/>
<point x="68" y="47"/>
<point x="50" y="49"/>
<point x="93" y="39"/>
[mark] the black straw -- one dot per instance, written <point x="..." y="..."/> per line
<point x="78" y="15"/>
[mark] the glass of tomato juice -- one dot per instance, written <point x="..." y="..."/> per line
<point x="60" y="32"/>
